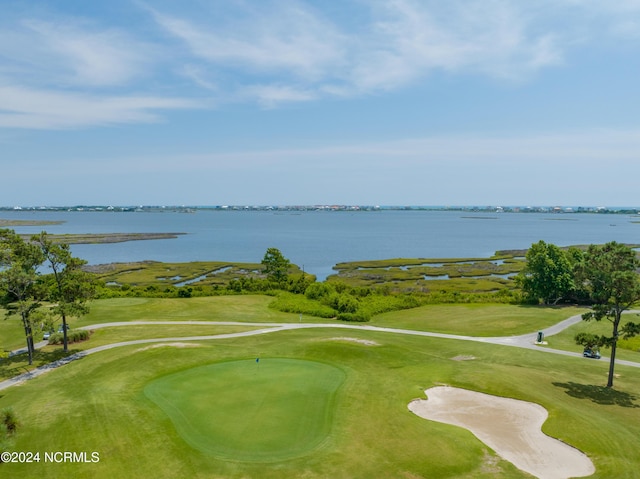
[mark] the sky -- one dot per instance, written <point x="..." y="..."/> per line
<point x="303" y="102"/>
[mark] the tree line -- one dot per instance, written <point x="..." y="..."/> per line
<point x="605" y="277"/>
<point x="25" y="291"/>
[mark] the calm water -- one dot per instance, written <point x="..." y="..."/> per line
<point x="318" y="240"/>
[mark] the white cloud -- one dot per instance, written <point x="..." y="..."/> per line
<point x="271" y="95"/>
<point x="292" y="39"/>
<point x="72" y="52"/>
<point x="61" y="72"/>
<point x="43" y="109"/>
<point x="95" y="58"/>
<point x="412" y="39"/>
<point x="199" y="76"/>
<point x="291" y="44"/>
<point x="282" y="51"/>
<point x="577" y="151"/>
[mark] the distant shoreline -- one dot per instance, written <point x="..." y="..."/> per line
<point x="630" y="210"/>
<point x="7" y="223"/>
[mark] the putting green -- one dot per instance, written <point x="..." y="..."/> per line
<point x="251" y="411"/>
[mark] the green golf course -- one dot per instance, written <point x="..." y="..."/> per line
<point x="250" y="410"/>
<point x="320" y="402"/>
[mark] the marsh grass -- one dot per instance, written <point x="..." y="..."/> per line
<point x="399" y="274"/>
<point x="419" y="274"/>
<point x="161" y="275"/>
<point x="148" y="273"/>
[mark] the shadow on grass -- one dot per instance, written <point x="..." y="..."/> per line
<point x="19" y="363"/>
<point x="599" y="394"/>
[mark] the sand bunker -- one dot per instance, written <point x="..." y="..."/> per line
<point x="510" y="427"/>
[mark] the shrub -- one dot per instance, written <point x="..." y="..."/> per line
<point x="185" y="292"/>
<point x="358" y="316"/>
<point x="342" y="302"/>
<point x="9" y="420"/>
<point x="318" y="290"/>
<point x="347" y="304"/>
<point x="297" y="303"/>
<point x="73" y="336"/>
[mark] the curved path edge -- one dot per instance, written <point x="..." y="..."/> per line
<point x="521" y="341"/>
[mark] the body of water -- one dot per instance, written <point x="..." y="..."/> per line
<point x="317" y="240"/>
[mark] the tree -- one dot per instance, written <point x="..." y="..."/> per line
<point x="19" y="280"/>
<point x="609" y="273"/>
<point x="72" y="287"/>
<point x="276" y="266"/>
<point x="548" y="275"/>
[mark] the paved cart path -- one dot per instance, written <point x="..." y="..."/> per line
<point x="522" y="341"/>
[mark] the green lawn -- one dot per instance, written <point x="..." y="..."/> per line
<point x="132" y="332"/>
<point x="251" y="410"/>
<point x="170" y="412"/>
<point x="247" y="308"/>
<point x="467" y="319"/>
<point x="627" y="349"/>
<point x="99" y="404"/>
<point x="11" y="333"/>
<point x="477" y="319"/>
<point x="19" y="364"/>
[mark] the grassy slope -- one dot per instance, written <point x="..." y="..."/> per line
<point x="470" y="319"/>
<point x="18" y="364"/>
<point x="249" y="308"/>
<point x="476" y="319"/>
<point x="219" y="308"/>
<point x="627" y="349"/>
<point x="251" y="411"/>
<point x="98" y="404"/>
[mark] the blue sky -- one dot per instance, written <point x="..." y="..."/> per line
<point x="397" y="102"/>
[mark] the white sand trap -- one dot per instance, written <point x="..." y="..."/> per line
<point x="510" y="427"/>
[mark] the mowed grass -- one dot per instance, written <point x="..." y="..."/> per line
<point x="251" y="410"/>
<point x="246" y="308"/>
<point x="99" y="404"/>
<point x="477" y="319"/>
<point x="12" y="333"/>
<point x="467" y="319"/>
<point x="19" y="364"/>
<point x="628" y="349"/>
<point x="132" y="332"/>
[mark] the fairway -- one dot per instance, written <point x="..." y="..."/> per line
<point x="251" y="410"/>
<point x="319" y="403"/>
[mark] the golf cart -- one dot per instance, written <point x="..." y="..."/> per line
<point x="591" y="353"/>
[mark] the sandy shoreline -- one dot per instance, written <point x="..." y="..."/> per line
<point x="510" y="427"/>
